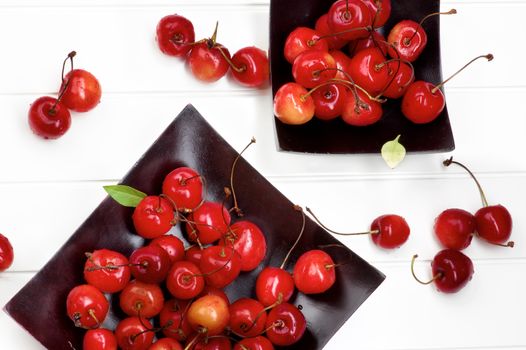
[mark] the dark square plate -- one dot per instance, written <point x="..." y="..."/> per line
<point x="335" y="136"/>
<point x="40" y="307"/>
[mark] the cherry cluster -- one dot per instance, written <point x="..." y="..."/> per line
<point x="6" y="253"/>
<point x="209" y="60"/>
<point x="79" y="91"/>
<point x="346" y="68"/>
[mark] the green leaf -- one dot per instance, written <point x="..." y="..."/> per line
<point x="125" y="195"/>
<point x="393" y="152"/>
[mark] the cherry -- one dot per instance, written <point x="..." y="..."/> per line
<point x="391" y="231"/>
<point x="209" y="315"/>
<point x="493" y="222"/>
<point x="423" y="102"/>
<point x="220" y="265"/>
<point x="342" y="64"/>
<point x="153" y="217"/>
<point x="302" y="39"/>
<point x="134" y="333"/>
<point x="141" y="299"/>
<point x="285" y="325"/>
<point x="333" y="41"/>
<point x="185" y="281"/>
<point x="313" y="67"/>
<point x="150" y="264"/>
<point x="375" y="39"/>
<point x="250" y="67"/>
<point x="314" y="272"/>
<point x="247" y="317"/>
<point x="99" y="339"/>
<point x="86" y="306"/>
<point x="293" y="105"/>
<point x="173" y="319"/>
<point x="6" y="253"/>
<point x="172" y="245"/>
<point x="454" y="228"/>
<point x="209" y="290"/>
<point x="380" y="11"/>
<point x="208" y="223"/>
<point x="175" y="35"/>
<point x="361" y="109"/>
<point x="107" y="270"/>
<point x="49" y="118"/>
<point x="208" y="59"/>
<point x="194" y="254"/>
<point x="249" y="242"/>
<point x="166" y="344"/>
<point x="369" y="70"/>
<point x="329" y="101"/>
<point x="404" y="76"/>
<point x="346" y="17"/>
<point x="452" y="270"/>
<point x="256" y="343"/>
<point x="184" y="187"/>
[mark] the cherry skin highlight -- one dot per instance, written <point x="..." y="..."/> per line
<point x="454" y="228"/>
<point x="175" y="35"/>
<point x="314" y="272"/>
<point x="6" y="253"/>
<point x="49" y="118"/>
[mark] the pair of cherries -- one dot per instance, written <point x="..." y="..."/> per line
<point x="80" y="91"/>
<point x="209" y="60"/>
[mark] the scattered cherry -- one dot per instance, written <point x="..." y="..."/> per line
<point x="49" y="118"/>
<point x="6" y="253"/>
<point x="175" y="35"/>
<point x="454" y="228"/>
<point x="250" y="67"/>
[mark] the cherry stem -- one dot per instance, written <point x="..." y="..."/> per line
<point x="220" y="267"/>
<point x="297" y="208"/>
<point x="230" y="63"/>
<point x="489" y="57"/>
<point x="371" y="232"/>
<point x="109" y="266"/>
<point x="437" y="276"/>
<point x="313" y="42"/>
<point x="378" y="10"/>
<point x="70" y="58"/>
<point x="236" y="208"/>
<point x="258" y="316"/>
<point x="214" y="36"/>
<point x="450" y="161"/>
<point x="91" y="312"/>
<point x="450" y="12"/>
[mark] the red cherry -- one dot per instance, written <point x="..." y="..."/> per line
<point x="173" y="319"/>
<point x="184" y="186"/>
<point x="370" y="70"/>
<point x="256" y="343"/>
<point x="172" y="245"/>
<point x="494" y="224"/>
<point x="209" y="314"/>
<point x="285" y="325"/>
<point x="251" y="67"/>
<point x="329" y="101"/>
<point x="86" y="306"/>
<point x="134" y="334"/>
<point x="82" y="90"/>
<point x="6" y="253"/>
<point x="49" y="118"/>
<point x="185" y="281"/>
<point x="313" y="67"/>
<point x="247" y="317"/>
<point x="220" y="265"/>
<point x="166" y="344"/>
<point x="194" y="254"/>
<point x="404" y="76"/>
<point x="207" y="62"/>
<point x="454" y="228"/>
<point x="153" y="217"/>
<point x="175" y="34"/>
<point x="274" y="285"/>
<point x="392" y="231"/>
<point x="362" y="112"/>
<point x="208" y="223"/>
<point x="380" y="11"/>
<point x="107" y="270"/>
<point x="293" y="105"/>
<point x="302" y="39"/>
<point x="409" y="38"/>
<point x="374" y="39"/>
<point x="249" y="242"/>
<point x="333" y="41"/>
<point x="209" y="290"/>
<point x="422" y="102"/>
<point x="350" y="18"/>
<point x="209" y="343"/>
<point x="150" y="264"/>
<point x="314" y="272"/>
<point x="141" y="299"/>
<point x="99" y="339"/>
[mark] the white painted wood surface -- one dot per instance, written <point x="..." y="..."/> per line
<point x="48" y="188"/>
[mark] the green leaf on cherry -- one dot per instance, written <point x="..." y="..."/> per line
<point x="393" y="152"/>
<point x="125" y="195"/>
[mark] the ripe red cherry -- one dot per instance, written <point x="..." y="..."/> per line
<point x="392" y="231"/>
<point x="82" y="92"/>
<point x="247" y="317"/>
<point x="220" y="265"/>
<point x="150" y="264"/>
<point x="302" y="39"/>
<point x="350" y="18"/>
<point x="314" y="272"/>
<point x="454" y="228"/>
<point x="172" y="245"/>
<point x="249" y="242"/>
<point x="175" y="34"/>
<point x="380" y="11"/>
<point x="185" y="280"/>
<point x="184" y="186"/>
<point x="49" y="118"/>
<point x="86" y="306"/>
<point x="207" y="62"/>
<point x="99" y="339"/>
<point x="313" y="67"/>
<point x="273" y="285"/>
<point x="422" y="102"/>
<point x="153" y="217"/>
<point x="6" y="253"/>
<point x="329" y="101"/>
<point x="251" y="67"/>
<point x="370" y="70"/>
<point x="361" y="112"/>
<point x="209" y="315"/>
<point x="293" y="105"/>
<point x="256" y="343"/>
<point x="409" y="38"/>
<point x="141" y="299"/>
<point x="285" y="325"/>
<point x="333" y="41"/>
<point x="208" y="223"/>
<point x="173" y="319"/>
<point x="134" y="334"/>
<point x="107" y="270"/>
<point x="404" y="76"/>
<point x="494" y="224"/>
<point x="166" y="344"/>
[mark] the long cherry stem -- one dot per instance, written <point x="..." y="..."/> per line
<point x="229" y="61"/>
<point x="371" y="232"/>
<point x="450" y="12"/>
<point x="437" y="276"/>
<point x="450" y="161"/>
<point x="66" y="85"/>
<point x="236" y="208"/>
<point x="297" y="208"/>
<point x="489" y="57"/>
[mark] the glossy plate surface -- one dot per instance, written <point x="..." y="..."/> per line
<point x="40" y="306"/>
<point x="335" y="136"/>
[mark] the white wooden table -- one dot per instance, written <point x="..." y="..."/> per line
<point x="48" y="188"/>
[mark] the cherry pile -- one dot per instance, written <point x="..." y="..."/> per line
<point x="79" y="91"/>
<point x="209" y="60"/>
<point x="344" y="67"/>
